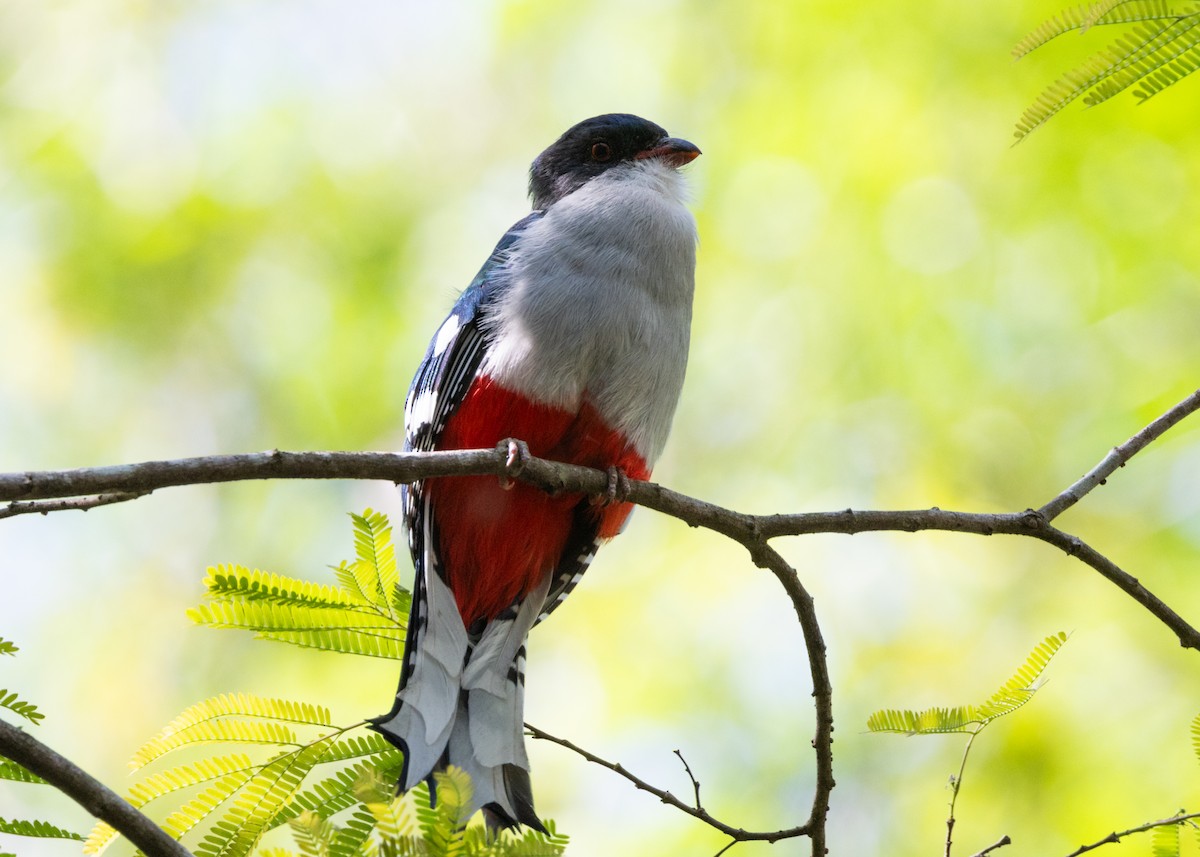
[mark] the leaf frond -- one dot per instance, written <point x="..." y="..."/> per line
<point x="1109" y="12"/>
<point x="312" y="833"/>
<point x="337" y="792"/>
<point x="185" y="776"/>
<point x="237" y="832"/>
<point x="7" y="647"/>
<point x="1165" y="841"/>
<point x="36" y="829"/>
<point x="349" y="631"/>
<point x="1133" y="61"/>
<point x="372" y="576"/>
<point x="236" y="582"/>
<point x="10" y="770"/>
<point x="20" y="707"/>
<point x="1196" y="736"/>
<point x="214" y="731"/>
<point x="352" y="839"/>
<point x="1013" y="694"/>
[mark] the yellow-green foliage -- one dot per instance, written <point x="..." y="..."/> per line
<point x="13" y="772"/>
<point x="349" y="810"/>
<point x="972" y="718"/>
<point x="366" y="615"/>
<point x="1161" y="47"/>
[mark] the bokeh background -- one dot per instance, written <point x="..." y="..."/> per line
<point x="232" y="226"/>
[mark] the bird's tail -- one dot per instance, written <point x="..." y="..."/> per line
<point x="461" y="702"/>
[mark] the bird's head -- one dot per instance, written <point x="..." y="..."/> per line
<point x="597" y="145"/>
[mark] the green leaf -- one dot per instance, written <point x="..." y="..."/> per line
<point x="350" y="840"/>
<point x="38" y="829"/>
<point x="337" y="792"/>
<point x="243" y="824"/>
<point x="235" y="582"/>
<point x="1159" y="50"/>
<point x="312" y="833"/>
<point x="7" y="648"/>
<point x="1082" y="18"/>
<point x="10" y="770"/>
<point x="185" y="776"/>
<point x="348" y="631"/>
<point x="1013" y="694"/>
<point x="18" y="706"/>
<point x="373" y="573"/>
<point x="214" y="731"/>
<point x="1165" y="841"/>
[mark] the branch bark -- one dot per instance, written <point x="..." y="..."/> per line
<point x="1114" y="837"/>
<point x="48" y="491"/>
<point x="88" y="792"/>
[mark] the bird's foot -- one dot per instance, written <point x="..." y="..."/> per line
<point x="617" y="490"/>
<point x="517" y="454"/>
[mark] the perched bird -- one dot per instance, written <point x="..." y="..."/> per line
<point x="572" y="337"/>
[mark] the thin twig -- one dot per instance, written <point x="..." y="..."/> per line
<point x="1117" y="837"/>
<point x="88" y="792"/>
<point x="1118" y="456"/>
<point x="738" y="834"/>
<point x="998" y="844"/>
<point x="955" y="787"/>
<point x="691" y="776"/>
<point x="45" y="507"/>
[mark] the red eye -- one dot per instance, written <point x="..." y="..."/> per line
<point x="601" y="152"/>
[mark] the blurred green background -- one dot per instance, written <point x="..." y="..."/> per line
<point x="232" y="226"/>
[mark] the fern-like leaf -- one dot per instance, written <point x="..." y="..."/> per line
<point x="352" y="839"/>
<point x="1147" y="54"/>
<point x="10" y="770"/>
<point x="236" y="582"/>
<point x="1157" y="52"/>
<point x="19" y="706"/>
<point x="237" y="832"/>
<point x="1013" y="694"/>
<point x="331" y="629"/>
<point x="337" y="792"/>
<point x="36" y="829"/>
<point x="373" y="573"/>
<point x="1169" y="74"/>
<point x="7" y="647"/>
<point x="215" y="731"/>
<point x="185" y="776"/>
<point x="1083" y="17"/>
<point x="312" y="834"/>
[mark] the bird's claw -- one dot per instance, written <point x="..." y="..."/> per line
<point x="617" y="489"/>
<point x="517" y="454"/>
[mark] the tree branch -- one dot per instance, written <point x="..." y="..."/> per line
<point x="749" y="530"/>
<point x="998" y="844"/>
<point x="88" y="792"/>
<point x="45" y="507"/>
<point x="738" y="834"/>
<point x="1117" y="837"/>
<point x="88" y="487"/>
<point x="1118" y="456"/>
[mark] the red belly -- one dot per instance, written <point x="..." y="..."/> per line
<point x="496" y="544"/>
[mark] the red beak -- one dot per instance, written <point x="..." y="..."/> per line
<point x="673" y="150"/>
